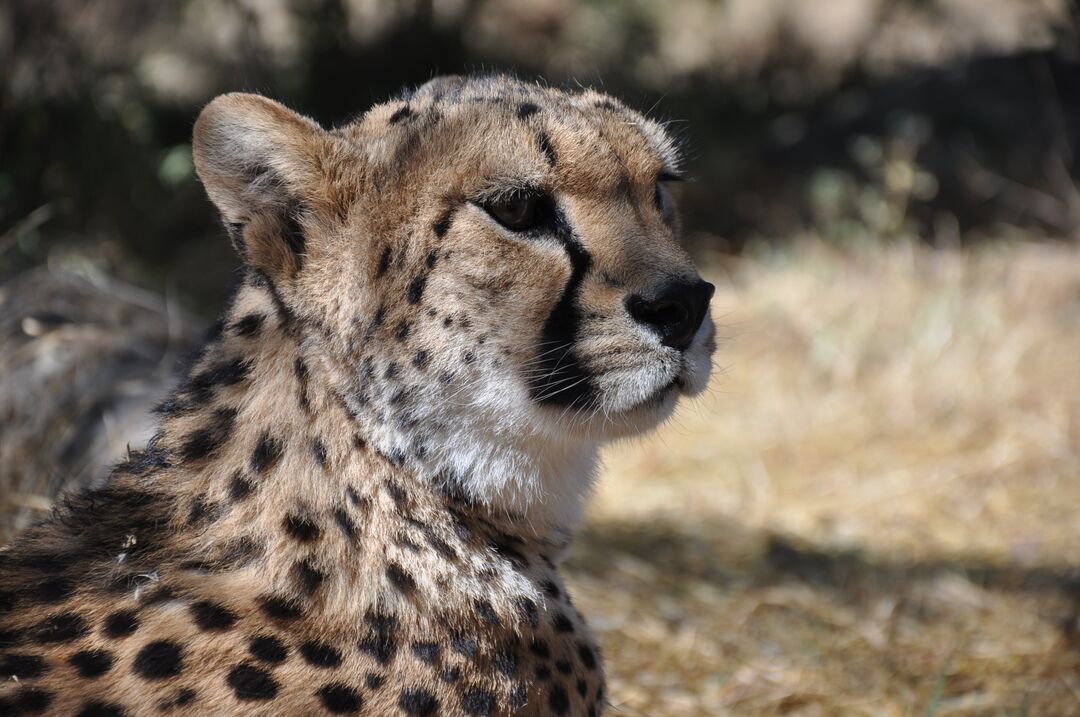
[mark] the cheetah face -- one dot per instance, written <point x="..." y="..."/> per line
<point x="483" y="256"/>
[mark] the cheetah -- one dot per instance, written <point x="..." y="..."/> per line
<point x="357" y="498"/>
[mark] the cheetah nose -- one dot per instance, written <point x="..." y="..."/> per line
<point x="673" y="310"/>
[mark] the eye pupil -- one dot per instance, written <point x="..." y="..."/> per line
<point x="517" y="212"/>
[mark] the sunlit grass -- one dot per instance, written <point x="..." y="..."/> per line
<point x="873" y="512"/>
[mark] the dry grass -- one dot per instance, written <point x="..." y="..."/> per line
<point x="872" y="513"/>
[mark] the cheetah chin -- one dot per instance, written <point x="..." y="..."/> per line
<point x="358" y="497"/>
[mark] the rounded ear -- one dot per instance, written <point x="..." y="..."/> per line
<point x="261" y="164"/>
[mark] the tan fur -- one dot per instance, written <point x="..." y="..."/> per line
<point x="352" y="470"/>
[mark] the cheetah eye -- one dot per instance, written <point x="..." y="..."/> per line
<point x="662" y="197"/>
<point x="519" y="211"/>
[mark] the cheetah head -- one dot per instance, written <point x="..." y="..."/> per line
<point x="488" y="269"/>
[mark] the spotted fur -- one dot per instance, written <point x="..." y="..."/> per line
<point x="357" y="499"/>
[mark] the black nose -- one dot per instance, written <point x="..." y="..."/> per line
<point x="674" y="310"/>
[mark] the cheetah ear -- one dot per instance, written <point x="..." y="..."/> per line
<point x="261" y="164"/>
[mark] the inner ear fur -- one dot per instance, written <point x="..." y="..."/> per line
<point x="261" y="164"/>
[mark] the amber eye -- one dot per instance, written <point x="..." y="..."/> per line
<point x="518" y="211"/>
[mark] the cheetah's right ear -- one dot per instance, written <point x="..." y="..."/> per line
<point x="261" y="164"/>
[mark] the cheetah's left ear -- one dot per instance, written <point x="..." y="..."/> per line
<point x="262" y="165"/>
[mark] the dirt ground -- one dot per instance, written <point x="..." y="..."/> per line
<point x="873" y="511"/>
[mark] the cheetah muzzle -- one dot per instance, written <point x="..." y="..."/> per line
<point x="356" y="500"/>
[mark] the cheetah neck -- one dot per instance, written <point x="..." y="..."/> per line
<point x="262" y="403"/>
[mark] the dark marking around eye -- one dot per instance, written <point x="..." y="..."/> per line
<point x="545" y="146"/>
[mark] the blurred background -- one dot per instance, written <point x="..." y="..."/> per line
<point x="873" y="512"/>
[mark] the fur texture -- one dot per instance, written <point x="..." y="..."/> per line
<point x="357" y="499"/>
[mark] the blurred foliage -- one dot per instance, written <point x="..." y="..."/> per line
<point x="856" y="119"/>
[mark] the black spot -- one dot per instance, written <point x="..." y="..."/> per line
<point x="543" y="672"/>
<point x="203" y="511"/>
<point x="400" y="578"/>
<point x="463" y="645"/>
<point x="211" y="616"/>
<point x="27" y="701"/>
<point x="551" y="589"/>
<point x="24" y="667"/>
<point x="442" y="224"/>
<point x="429" y="261"/>
<point x="477" y="702"/>
<point x="384" y="262"/>
<point x="450" y="675"/>
<point x="9" y="638"/>
<point x="184" y="696"/>
<point x="416" y="289"/>
<point x="403" y="330"/>
<point x="301" y="528"/>
<point x="562" y="623"/>
<point x="53" y="590"/>
<point x="345" y="523"/>
<point x="91" y="663"/>
<point x="426" y="651"/>
<point x="60" y="628"/>
<point x="249" y="325"/>
<point x="206" y="441"/>
<point x="563" y="666"/>
<point x="588" y="657"/>
<point x="267" y="648"/>
<point x="398" y="494"/>
<point x="558" y="700"/>
<point x="280" y="608"/>
<point x="319" y="654"/>
<point x="380" y="643"/>
<point x="582" y="688"/>
<point x="340" y="699"/>
<point x="120" y="624"/>
<point x="486" y="612"/>
<point x="529" y="613"/>
<point x="376" y="322"/>
<point x="251" y="683"/>
<point x="240" y="487"/>
<point x="266" y="454"/>
<point x="420" y="359"/>
<point x="448" y="322"/>
<point x="374" y="681"/>
<point x="94" y="708"/>
<point x="519" y="697"/>
<point x="319" y="450"/>
<point x="544" y="141"/>
<point x="308" y="577"/>
<point x="540" y="649"/>
<point x="527" y="109"/>
<point x="418" y="703"/>
<point x="506" y="662"/>
<point x="400" y="114"/>
<point x="159" y="660"/>
<point x="224" y="373"/>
